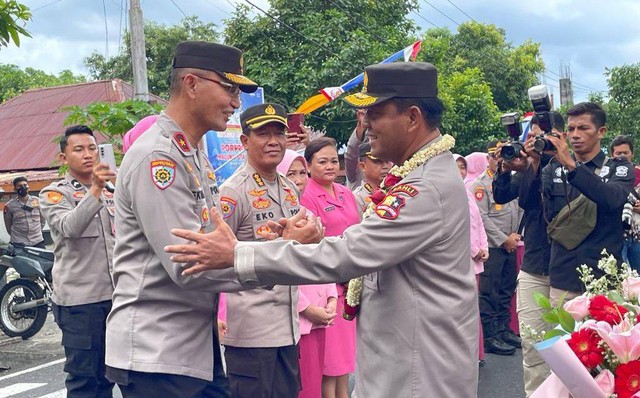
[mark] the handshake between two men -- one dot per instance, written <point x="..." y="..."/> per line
<point x="215" y="250"/>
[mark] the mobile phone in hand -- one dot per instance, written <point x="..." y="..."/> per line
<point x="294" y="120"/>
<point x="105" y="152"/>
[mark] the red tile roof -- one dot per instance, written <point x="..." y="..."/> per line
<point x="30" y="121"/>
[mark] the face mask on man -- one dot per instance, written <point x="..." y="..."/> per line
<point x="23" y="190"/>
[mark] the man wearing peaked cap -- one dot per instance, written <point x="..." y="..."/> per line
<point x="263" y="323"/>
<point x="374" y="170"/>
<point x="161" y="333"/>
<point x="259" y="115"/>
<point x="417" y="298"/>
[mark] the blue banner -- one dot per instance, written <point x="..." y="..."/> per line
<point x="223" y="147"/>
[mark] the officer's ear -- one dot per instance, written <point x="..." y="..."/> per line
<point x="244" y="139"/>
<point x="62" y="158"/>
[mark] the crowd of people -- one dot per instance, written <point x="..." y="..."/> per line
<point x="425" y="253"/>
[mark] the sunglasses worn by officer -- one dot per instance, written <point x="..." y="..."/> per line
<point x="232" y="89"/>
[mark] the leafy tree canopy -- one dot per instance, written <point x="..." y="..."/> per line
<point x="318" y="44"/>
<point x="14" y="81"/>
<point x="160" y="43"/>
<point x="13" y="18"/>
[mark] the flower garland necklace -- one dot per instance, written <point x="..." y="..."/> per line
<point x="396" y="174"/>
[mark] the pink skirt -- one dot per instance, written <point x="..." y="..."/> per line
<point x="340" y="346"/>
<point x="311" y="363"/>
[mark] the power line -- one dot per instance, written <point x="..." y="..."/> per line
<point x="435" y="8"/>
<point x="46" y="5"/>
<point x="179" y="9"/>
<point x="276" y="19"/>
<point x="425" y="19"/>
<point x="462" y="11"/>
<point x="120" y="28"/>
<point x="359" y="23"/>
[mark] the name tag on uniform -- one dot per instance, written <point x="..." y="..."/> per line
<point x="328" y="209"/>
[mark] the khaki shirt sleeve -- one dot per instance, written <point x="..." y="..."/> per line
<point x="8" y="218"/>
<point x="159" y="210"/>
<point x="373" y="245"/>
<point x="494" y="235"/>
<point x="351" y="158"/>
<point x="63" y="216"/>
<point x="233" y="207"/>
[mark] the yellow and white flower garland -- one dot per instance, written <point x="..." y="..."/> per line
<point x="418" y="159"/>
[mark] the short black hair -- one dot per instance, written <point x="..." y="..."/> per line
<point x="78" y="129"/>
<point x="598" y="115"/>
<point x="316" y="145"/>
<point x="432" y="108"/>
<point x="19" y="179"/>
<point x="621" y="140"/>
<point x="557" y="120"/>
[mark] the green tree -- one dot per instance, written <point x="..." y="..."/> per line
<point x="14" y="81"/>
<point x="623" y="108"/>
<point x="336" y="39"/>
<point x="160" y="43"/>
<point x="13" y="18"/>
<point x="508" y="70"/>
<point x="471" y="116"/>
<point x="112" y="119"/>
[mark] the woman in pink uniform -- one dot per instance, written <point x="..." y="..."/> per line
<point x="479" y="244"/>
<point x="316" y="303"/>
<point x="336" y="206"/>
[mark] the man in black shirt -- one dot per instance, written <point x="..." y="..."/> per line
<point x="604" y="181"/>
<point x="534" y="272"/>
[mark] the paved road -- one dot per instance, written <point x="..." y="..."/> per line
<point x="36" y="369"/>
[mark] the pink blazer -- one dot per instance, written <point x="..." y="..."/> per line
<point x="316" y="295"/>
<point x="478" y="235"/>
<point x="337" y="214"/>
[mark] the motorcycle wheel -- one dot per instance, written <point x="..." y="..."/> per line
<point x="24" y="323"/>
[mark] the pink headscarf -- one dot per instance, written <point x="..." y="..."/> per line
<point x="289" y="156"/>
<point x="476" y="164"/>
<point x="136" y="131"/>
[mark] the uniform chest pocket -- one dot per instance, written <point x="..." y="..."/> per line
<point x="259" y="220"/>
<point x="371" y="282"/>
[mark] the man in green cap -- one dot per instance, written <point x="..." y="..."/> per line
<point x="418" y="319"/>
<point x="161" y="333"/>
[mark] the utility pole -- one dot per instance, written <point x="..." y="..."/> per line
<point x="138" y="52"/>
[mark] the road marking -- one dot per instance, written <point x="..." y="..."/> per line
<point x="18" y="388"/>
<point x="46" y="365"/>
<point x="58" y="394"/>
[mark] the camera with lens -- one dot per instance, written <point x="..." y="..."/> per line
<point x="627" y="210"/>
<point x="511" y="122"/>
<point x="539" y="96"/>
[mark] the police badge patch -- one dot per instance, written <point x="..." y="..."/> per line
<point x="163" y="173"/>
<point x="622" y="171"/>
<point x="228" y="206"/>
<point x="389" y="208"/>
<point x="54" y="197"/>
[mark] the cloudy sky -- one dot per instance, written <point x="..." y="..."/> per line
<point x="587" y="35"/>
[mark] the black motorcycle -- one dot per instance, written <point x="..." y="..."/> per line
<point x="24" y="302"/>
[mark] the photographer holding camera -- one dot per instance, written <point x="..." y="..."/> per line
<point x="583" y="194"/>
<point x="622" y="146"/>
<point x="534" y="273"/>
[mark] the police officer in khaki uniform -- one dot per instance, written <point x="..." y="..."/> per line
<point x="22" y="216"/>
<point x="419" y="299"/>
<point x="374" y="170"/>
<point x="162" y="334"/>
<point x="497" y="283"/>
<point x="80" y="213"/>
<point x="261" y="343"/>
